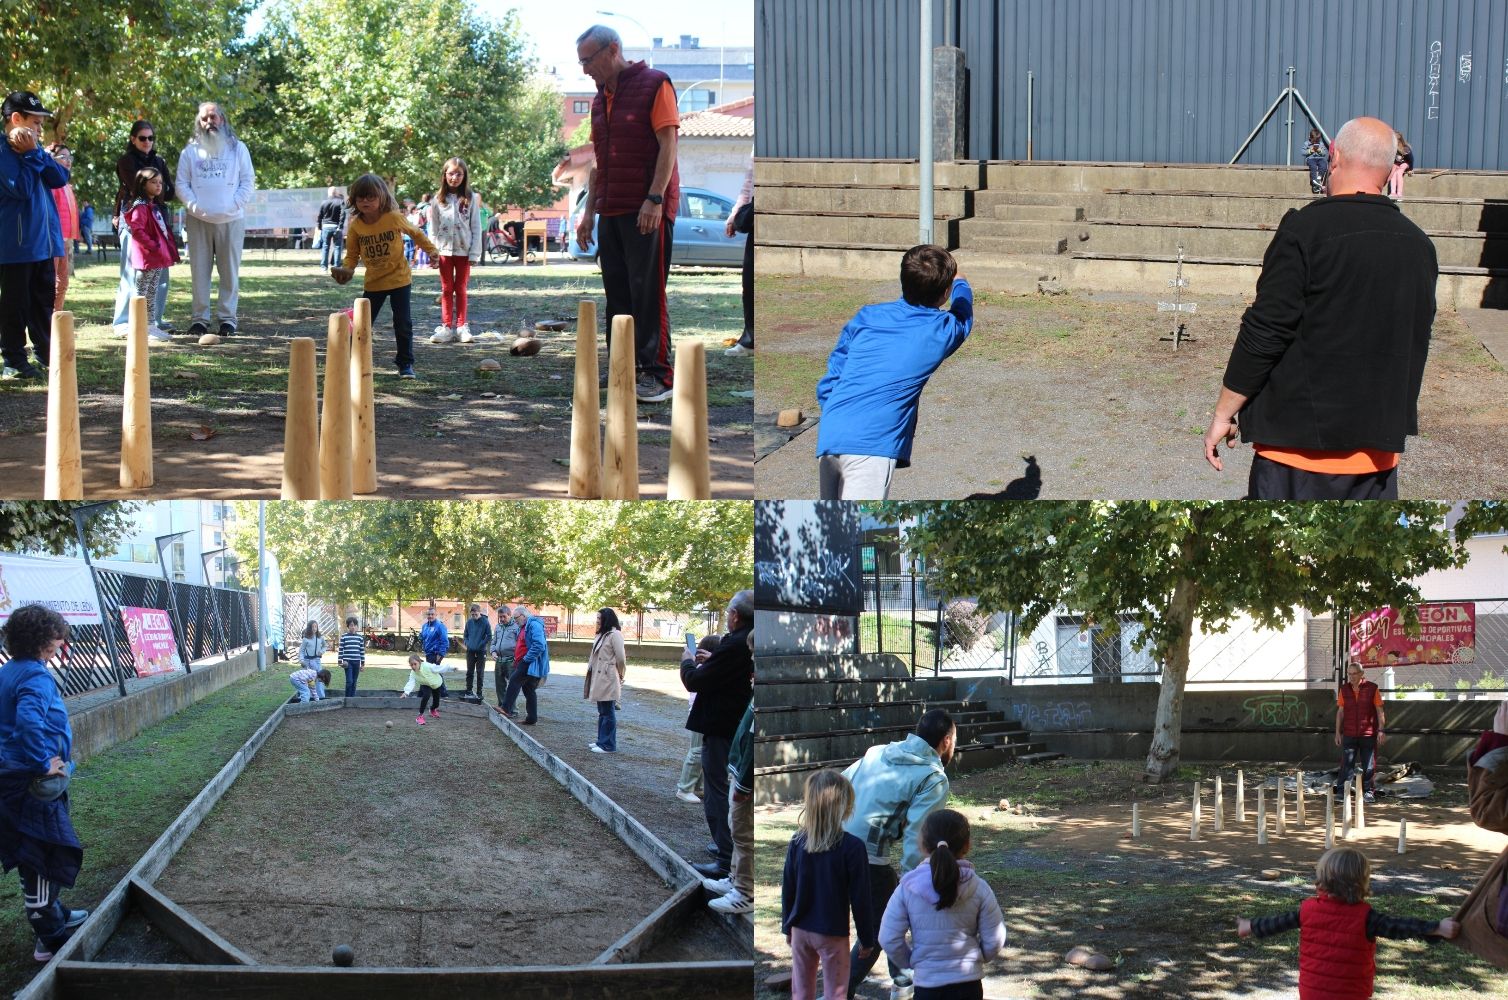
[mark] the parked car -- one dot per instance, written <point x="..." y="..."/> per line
<point x="700" y="231"/>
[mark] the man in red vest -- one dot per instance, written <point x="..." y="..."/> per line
<point x="633" y="192"/>
<point x="1358" y="728"/>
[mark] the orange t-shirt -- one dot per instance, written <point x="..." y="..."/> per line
<point x="1333" y="463"/>
<point x="1340" y="698"/>
<point x="664" y="114"/>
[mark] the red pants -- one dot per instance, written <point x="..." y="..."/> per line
<point x="808" y="951"/>
<point x="453" y="274"/>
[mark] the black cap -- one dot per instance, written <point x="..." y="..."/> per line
<point x="25" y="102"/>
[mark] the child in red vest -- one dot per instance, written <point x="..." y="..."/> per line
<point x="1338" y="932"/>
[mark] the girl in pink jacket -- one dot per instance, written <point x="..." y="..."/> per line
<point x="153" y="249"/>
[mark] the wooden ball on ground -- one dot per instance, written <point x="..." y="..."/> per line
<point x="343" y="955"/>
<point x="390" y="723"/>
<point x="210" y="339"/>
<point x="525" y="347"/>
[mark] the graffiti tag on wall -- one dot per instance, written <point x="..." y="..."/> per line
<point x="1062" y="715"/>
<point x="1276" y="711"/>
<point x="1463" y="69"/>
<point x="1433" y="80"/>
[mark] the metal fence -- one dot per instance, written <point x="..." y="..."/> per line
<point x="211" y="620"/>
<point x="906" y="616"/>
<point x="1485" y="671"/>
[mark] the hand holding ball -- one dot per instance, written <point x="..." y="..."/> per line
<point x="341" y="274"/>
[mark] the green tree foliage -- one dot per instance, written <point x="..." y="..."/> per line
<point x="1167" y="564"/>
<point x="678" y="556"/>
<point x="47" y="526"/>
<point x="102" y="64"/>
<point x="339" y="89"/>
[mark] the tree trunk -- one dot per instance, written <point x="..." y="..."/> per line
<point x="1162" y="758"/>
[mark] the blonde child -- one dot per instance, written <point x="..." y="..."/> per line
<point x="826" y="877"/>
<point x="950" y="912"/>
<point x="1338" y="932"/>
<point x="430" y="684"/>
<point x="455" y="226"/>
<point x="375" y="236"/>
<point x="153" y="249"/>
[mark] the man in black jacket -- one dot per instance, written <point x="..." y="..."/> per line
<point x="330" y="222"/>
<point x="723" y="683"/>
<point x="1326" y="370"/>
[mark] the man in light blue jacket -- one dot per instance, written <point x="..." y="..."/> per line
<point x="30" y="236"/>
<point x="530" y="666"/>
<point x="895" y="787"/>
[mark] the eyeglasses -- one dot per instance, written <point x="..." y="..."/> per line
<point x="146" y="138"/>
<point x="588" y="60"/>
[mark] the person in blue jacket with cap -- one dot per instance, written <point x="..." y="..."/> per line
<point x="31" y="236"/>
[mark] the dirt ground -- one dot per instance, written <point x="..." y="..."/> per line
<point x="1074" y="396"/>
<point x="1164" y="908"/>
<point x="456" y="433"/>
<point x="436" y="846"/>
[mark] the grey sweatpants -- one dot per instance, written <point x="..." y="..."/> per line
<point x="854" y="477"/>
<point x="217" y="243"/>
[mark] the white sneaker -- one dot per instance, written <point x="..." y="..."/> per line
<point x="719" y="886"/>
<point x="688" y="796"/>
<point x="157" y="333"/>
<point x="443" y="335"/>
<point x="463" y="333"/>
<point x="737" y="349"/>
<point x="120" y="330"/>
<point x="733" y="902"/>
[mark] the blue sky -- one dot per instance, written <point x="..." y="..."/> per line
<point x="554" y="28"/>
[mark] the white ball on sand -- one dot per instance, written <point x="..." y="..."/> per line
<point x="390" y="724"/>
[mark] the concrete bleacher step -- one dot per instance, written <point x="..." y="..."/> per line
<point x="1038" y="213"/>
<point x="1033" y="247"/>
<point x="987" y="201"/>
<point x="814" y="227"/>
<point x="904" y="173"/>
<point x="1250" y="241"/>
<point x="860" y="199"/>
<point x="1017" y="229"/>
<point x="850" y="666"/>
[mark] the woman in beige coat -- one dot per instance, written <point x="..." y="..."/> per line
<point x="604" y="679"/>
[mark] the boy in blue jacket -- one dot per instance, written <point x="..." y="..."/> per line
<point x="871" y="393"/>
<point x="30" y="236"/>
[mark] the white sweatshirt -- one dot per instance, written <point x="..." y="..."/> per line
<point x="216" y="189"/>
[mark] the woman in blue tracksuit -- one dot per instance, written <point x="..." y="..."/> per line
<point x="36" y="747"/>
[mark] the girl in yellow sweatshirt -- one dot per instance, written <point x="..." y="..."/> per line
<point x="375" y="235"/>
<point x="424" y="678"/>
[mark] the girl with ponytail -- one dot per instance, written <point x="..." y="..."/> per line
<point x="949" y="912"/>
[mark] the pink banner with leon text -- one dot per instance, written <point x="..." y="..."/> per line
<point x="149" y="632"/>
<point x="1447" y="634"/>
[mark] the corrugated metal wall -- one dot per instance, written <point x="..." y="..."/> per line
<point x="1179" y="81"/>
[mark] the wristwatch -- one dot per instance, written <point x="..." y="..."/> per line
<point x="655" y="199"/>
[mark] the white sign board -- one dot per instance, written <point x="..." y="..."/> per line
<point x="293" y="208"/>
<point x="60" y="584"/>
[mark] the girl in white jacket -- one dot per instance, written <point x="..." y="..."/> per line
<point x="455" y="226"/>
<point x="950" y="912"/>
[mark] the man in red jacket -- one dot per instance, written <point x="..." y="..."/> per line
<point x="634" y="187"/>
<point x="1359" y="719"/>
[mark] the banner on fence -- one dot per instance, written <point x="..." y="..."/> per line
<point x="149" y="633"/>
<point x="272" y="591"/>
<point x="60" y="584"/>
<point x="1447" y="634"/>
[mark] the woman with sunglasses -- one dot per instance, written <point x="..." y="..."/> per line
<point x="141" y="152"/>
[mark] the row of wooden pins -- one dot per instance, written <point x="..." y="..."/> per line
<point x="1353" y="810"/>
<point x="332" y="456"/>
<point x="63" y="471"/>
<point x="606" y="465"/>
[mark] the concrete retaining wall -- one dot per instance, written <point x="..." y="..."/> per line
<point x="104" y="725"/>
<point x="1115" y="721"/>
<point x="579" y="649"/>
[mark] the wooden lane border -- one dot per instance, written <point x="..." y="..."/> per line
<point x="669" y="865"/>
<point x="610" y="976"/>
<point x="103" y="922"/>
<point x="110" y="981"/>
<point x="184" y="929"/>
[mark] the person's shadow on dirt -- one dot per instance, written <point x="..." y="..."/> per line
<point x="1027" y="487"/>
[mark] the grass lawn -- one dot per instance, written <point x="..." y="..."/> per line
<point x="457" y="431"/>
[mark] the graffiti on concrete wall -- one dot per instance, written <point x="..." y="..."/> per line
<point x="1463" y="68"/>
<point x="1276" y="711"/>
<point x="1432" y="81"/>
<point x="1060" y="715"/>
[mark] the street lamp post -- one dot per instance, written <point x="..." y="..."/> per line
<point x="651" y="58"/>
<point x="163" y="541"/>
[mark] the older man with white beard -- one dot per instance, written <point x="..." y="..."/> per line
<point x="215" y="181"/>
